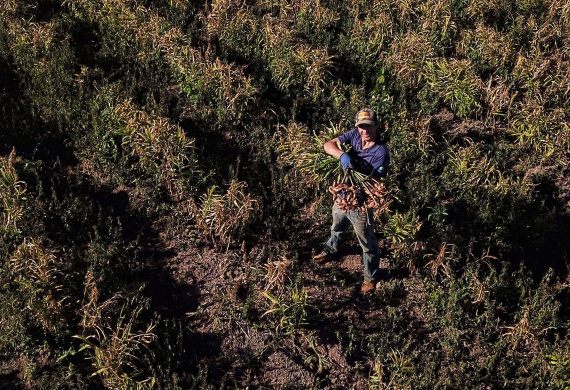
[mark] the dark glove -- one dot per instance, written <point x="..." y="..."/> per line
<point x="345" y="161"/>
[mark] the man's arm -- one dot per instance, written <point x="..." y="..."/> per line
<point x="331" y="147"/>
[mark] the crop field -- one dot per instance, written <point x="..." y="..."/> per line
<point x="164" y="189"/>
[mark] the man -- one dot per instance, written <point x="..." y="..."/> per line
<point x="367" y="155"/>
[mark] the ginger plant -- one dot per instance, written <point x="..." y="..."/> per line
<point x="221" y="217"/>
<point x="116" y="345"/>
<point x="12" y="192"/>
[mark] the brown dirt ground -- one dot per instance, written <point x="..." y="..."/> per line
<point x="212" y="286"/>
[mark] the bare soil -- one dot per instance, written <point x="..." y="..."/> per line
<point x="209" y="289"/>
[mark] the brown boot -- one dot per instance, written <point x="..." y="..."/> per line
<point x="322" y="257"/>
<point x="368" y="286"/>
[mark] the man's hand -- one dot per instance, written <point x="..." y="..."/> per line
<point x="345" y="161"/>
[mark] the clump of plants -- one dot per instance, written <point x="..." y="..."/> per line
<point x="112" y="338"/>
<point x="12" y="192"/>
<point x="221" y="217"/>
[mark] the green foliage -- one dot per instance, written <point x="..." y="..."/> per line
<point x="114" y="344"/>
<point x="488" y="49"/>
<point x="138" y="110"/>
<point x="558" y="367"/>
<point x="369" y="35"/>
<point x="154" y="147"/>
<point x="37" y="272"/>
<point x="399" y="369"/>
<point x="12" y="193"/>
<point x="290" y="311"/>
<point x="401" y="230"/>
<point x="455" y="83"/>
<point x="545" y="134"/>
<point x="221" y="218"/>
<point x="402" y="227"/>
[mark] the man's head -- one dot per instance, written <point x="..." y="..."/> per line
<point x="367" y="124"/>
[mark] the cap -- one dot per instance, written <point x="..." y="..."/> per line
<point x="366" y="117"/>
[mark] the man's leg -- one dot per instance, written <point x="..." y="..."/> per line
<point x="363" y="222"/>
<point x="338" y="231"/>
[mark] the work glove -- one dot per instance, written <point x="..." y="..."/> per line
<point x="345" y="161"/>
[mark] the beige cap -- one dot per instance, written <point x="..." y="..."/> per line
<point x="366" y="116"/>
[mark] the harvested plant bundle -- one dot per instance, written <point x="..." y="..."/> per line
<point x="304" y="151"/>
<point x="363" y="192"/>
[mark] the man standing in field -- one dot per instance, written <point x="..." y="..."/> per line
<point x="367" y="155"/>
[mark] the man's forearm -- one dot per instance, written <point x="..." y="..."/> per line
<point x="332" y="148"/>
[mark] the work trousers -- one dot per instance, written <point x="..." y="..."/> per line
<point x="363" y="224"/>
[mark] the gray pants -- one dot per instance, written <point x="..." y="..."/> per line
<point x="364" y="229"/>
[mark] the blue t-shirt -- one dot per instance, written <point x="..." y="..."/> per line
<point x="375" y="157"/>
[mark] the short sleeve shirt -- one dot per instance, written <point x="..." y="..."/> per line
<point x="376" y="157"/>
